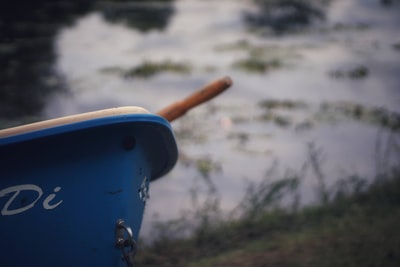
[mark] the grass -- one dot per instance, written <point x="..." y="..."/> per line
<point x="358" y="229"/>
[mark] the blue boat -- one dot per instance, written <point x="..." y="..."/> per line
<point x="73" y="189"/>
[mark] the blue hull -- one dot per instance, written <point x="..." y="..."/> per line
<point x="63" y="189"/>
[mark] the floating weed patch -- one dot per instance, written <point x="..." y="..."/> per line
<point x="282" y="121"/>
<point x="282" y="104"/>
<point x="377" y="116"/>
<point x="112" y="70"/>
<point x="259" y="58"/>
<point x="252" y="49"/>
<point x="256" y="65"/>
<point x="148" y="69"/>
<point x="279" y="120"/>
<point x="358" y="72"/>
<point x="350" y="27"/>
<point x="239" y="45"/>
<point x="271" y="114"/>
<point x="285" y="113"/>
<point x="266" y="51"/>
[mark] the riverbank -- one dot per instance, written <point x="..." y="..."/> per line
<point x="358" y="229"/>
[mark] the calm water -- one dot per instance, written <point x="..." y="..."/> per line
<point x="333" y="83"/>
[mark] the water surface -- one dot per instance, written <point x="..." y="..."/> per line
<point x="332" y="83"/>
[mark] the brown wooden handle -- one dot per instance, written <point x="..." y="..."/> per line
<point x="202" y="95"/>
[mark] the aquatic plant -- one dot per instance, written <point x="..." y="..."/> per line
<point x="149" y="68"/>
<point x="259" y="58"/>
<point x="272" y="107"/>
<point x="279" y="120"/>
<point x="256" y="65"/>
<point x="374" y="115"/>
<point x="357" y="26"/>
<point x="282" y="104"/>
<point x="357" y="72"/>
<point x="326" y="112"/>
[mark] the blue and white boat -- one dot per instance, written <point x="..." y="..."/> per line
<point x="73" y="189"/>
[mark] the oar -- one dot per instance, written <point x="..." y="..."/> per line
<point x="202" y="95"/>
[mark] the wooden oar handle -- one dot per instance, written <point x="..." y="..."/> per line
<point x="202" y="95"/>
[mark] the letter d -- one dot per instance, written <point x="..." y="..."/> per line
<point x="17" y="189"/>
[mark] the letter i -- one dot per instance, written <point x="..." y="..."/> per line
<point x="46" y="204"/>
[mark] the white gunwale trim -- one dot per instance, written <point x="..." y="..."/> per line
<point x="36" y="126"/>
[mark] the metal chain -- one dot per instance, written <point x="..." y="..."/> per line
<point x="125" y="243"/>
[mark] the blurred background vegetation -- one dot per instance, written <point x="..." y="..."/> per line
<point x="355" y="224"/>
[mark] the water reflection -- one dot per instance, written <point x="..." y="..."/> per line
<point x="141" y="15"/>
<point x="27" y="47"/>
<point x="281" y="17"/>
<point x="27" y="53"/>
<point x="334" y="84"/>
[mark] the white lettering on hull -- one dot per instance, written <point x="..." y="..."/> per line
<point x="18" y="189"/>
